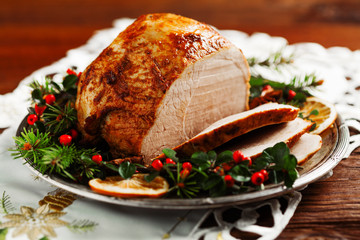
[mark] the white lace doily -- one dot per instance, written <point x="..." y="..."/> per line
<point x="339" y="67"/>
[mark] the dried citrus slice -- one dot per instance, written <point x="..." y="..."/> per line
<point x="136" y="186"/>
<point x="326" y="113"/>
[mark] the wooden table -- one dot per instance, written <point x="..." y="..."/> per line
<point x="36" y="33"/>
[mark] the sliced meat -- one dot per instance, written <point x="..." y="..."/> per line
<point x="160" y="82"/>
<point x="255" y="142"/>
<point x="233" y="126"/>
<point x="306" y="147"/>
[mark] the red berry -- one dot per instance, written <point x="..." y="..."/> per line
<point x="157" y="164"/>
<point x="257" y="178"/>
<point x="50" y="99"/>
<point x="265" y="173"/>
<point x="180" y="185"/>
<point x="238" y="156"/>
<point x="248" y="159"/>
<point x="39" y="110"/>
<point x="32" y="118"/>
<point x="291" y="95"/>
<point x="219" y="170"/>
<point x="267" y="88"/>
<point x="169" y="161"/>
<point x="65" y="140"/>
<point x="229" y="181"/>
<point x="74" y="134"/>
<point x="184" y="173"/>
<point x="187" y="165"/>
<point x="70" y="72"/>
<point x="97" y="158"/>
<point x="226" y="166"/>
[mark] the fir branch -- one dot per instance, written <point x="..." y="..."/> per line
<point x="59" y="119"/>
<point x="31" y="146"/>
<point x="5" y="204"/>
<point x="274" y="60"/>
<point x="58" y="159"/>
<point x="79" y="226"/>
<point x="299" y="84"/>
<point x="40" y="90"/>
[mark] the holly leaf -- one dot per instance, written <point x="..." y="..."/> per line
<point x="170" y="154"/>
<point x="240" y="173"/>
<point x="290" y="162"/>
<point x="300" y="97"/>
<point x="314" y="112"/>
<point x="126" y="169"/>
<point x="36" y="94"/>
<point x="218" y="190"/>
<point x="199" y="158"/>
<point x="151" y="176"/>
<point x="223" y="157"/>
<point x="55" y="85"/>
<point x="211" y="182"/>
<point x="202" y="167"/>
<point x="212" y="155"/>
<point x="290" y="177"/>
<point x="70" y="82"/>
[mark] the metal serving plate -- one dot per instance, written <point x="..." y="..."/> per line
<point x="335" y="143"/>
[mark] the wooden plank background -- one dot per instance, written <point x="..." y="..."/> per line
<point x="36" y="33"/>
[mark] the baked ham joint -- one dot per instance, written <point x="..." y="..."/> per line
<point x="159" y="84"/>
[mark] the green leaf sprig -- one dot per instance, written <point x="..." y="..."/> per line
<point x="39" y="143"/>
<point x="207" y="176"/>
<point x="299" y="84"/>
<point x="201" y="174"/>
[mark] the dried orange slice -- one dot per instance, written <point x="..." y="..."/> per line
<point x="136" y="186"/>
<point x="327" y="113"/>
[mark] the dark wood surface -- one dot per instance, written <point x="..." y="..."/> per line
<point x="36" y="33"/>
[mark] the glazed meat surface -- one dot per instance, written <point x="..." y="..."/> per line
<point x="162" y="81"/>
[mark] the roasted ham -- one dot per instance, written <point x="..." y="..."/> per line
<point x="306" y="147"/>
<point x="255" y="142"/>
<point x="233" y="126"/>
<point x="160" y="83"/>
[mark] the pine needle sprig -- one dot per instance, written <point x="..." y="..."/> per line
<point x="40" y="90"/>
<point x="58" y="159"/>
<point x="274" y="60"/>
<point x="31" y="145"/>
<point x="301" y="85"/>
<point x="59" y="119"/>
<point x="86" y="167"/>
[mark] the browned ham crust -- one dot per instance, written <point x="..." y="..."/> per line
<point x="159" y="83"/>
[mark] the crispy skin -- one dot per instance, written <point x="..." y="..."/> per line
<point x="236" y="125"/>
<point x="120" y="92"/>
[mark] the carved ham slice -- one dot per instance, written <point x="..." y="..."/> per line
<point x="306" y="147"/>
<point x="233" y="126"/>
<point x="160" y="82"/>
<point x="255" y="142"/>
